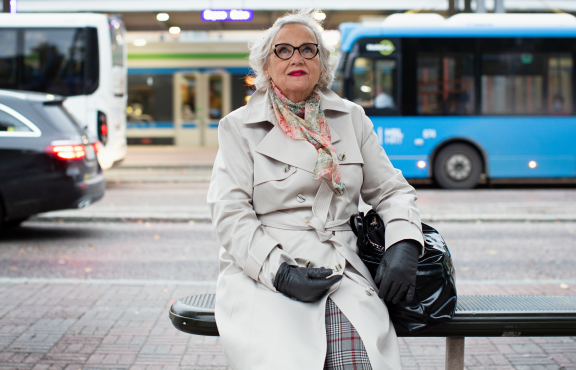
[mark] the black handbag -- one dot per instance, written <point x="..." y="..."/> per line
<point x="435" y="298"/>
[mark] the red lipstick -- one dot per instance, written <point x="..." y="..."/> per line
<point x="297" y="73"/>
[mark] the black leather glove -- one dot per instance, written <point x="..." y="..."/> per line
<point x="304" y="284"/>
<point x="396" y="274"/>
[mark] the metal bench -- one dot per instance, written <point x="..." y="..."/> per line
<point x="476" y="316"/>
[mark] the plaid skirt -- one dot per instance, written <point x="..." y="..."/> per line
<point x="345" y="348"/>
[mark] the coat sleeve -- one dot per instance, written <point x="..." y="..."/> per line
<point x="233" y="217"/>
<point x="387" y="191"/>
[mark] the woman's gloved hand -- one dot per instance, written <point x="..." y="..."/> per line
<point x="304" y="284"/>
<point x="396" y="274"/>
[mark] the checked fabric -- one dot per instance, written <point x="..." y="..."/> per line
<point x="345" y="348"/>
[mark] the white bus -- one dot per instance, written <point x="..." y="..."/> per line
<point x="80" y="56"/>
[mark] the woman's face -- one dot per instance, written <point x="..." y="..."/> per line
<point x="295" y="77"/>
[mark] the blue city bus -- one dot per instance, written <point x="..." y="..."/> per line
<point x="468" y="98"/>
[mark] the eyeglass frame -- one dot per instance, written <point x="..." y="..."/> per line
<point x="294" y="48"/>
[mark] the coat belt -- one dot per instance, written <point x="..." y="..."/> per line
<point x="324" y="229"/>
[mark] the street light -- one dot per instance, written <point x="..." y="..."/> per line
<point x="174" y="30"/>
<point x="162" y="17"/>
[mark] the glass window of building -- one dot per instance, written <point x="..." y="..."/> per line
<point x="150" y="99"/>
<point x="188" y="96"/>
<point x="8" y="53"/>
<point x="375" y="83"/>
<point x="445" y="84"/>
<point x="526" y="83"/>
<point x="215" y="96"/>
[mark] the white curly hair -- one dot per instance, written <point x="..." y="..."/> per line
<point x="260" y="50"/>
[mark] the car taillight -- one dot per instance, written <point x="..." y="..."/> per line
<point x="102" y="128"/>
<point x="96" y="147"/>
<point x="67" y="152"/>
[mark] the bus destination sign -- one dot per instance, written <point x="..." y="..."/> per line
<point x="384" y="47"/>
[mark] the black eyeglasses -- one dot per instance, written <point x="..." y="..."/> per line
<point x="285" y="51"/>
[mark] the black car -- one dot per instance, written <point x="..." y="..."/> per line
<point x="47" y="161"/>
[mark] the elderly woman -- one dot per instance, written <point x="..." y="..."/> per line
<point x="293" y="163"/>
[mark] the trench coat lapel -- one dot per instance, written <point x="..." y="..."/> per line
<point x="279" y="146"/>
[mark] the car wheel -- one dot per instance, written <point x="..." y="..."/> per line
<point x="457" y="166"/>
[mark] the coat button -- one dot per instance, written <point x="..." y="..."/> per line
<point x="286" y="167"/>
<point x="338" y="191"/>
<point x="342" y="156"/>
<point x="338" y="267"/>
<point x="301" y="198"/>
<point x="370" y="291"/>
<point x="309" y="264"/>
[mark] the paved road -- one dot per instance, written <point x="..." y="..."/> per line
<point x="187" y="201"/>
<point x="189" y="252"/>
<point x="66" y="303"/>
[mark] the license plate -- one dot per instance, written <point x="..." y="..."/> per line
<point x="90" y="155"/>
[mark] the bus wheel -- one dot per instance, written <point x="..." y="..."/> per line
<point x="457" y="166"/>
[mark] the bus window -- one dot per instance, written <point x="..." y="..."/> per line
<point x="338" y="83"/>
<point x="527" y="83"/>
<point x="215" y="97"/>
<point x="8" y="55"/>
<point x="375" y="83"/>
<point x="445" y="83"/>
<point x="559" y="101"/>
<point x="54" y="61"/>
<point x="117" y="40"/>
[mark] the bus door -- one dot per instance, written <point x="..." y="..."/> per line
<point x="200" y="101"/>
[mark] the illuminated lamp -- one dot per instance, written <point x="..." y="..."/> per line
<point x="162" y="17"/>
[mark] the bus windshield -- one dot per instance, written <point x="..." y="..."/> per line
<point x="61" y="61"/>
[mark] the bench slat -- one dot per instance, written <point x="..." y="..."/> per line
<point x="476" y="316"/>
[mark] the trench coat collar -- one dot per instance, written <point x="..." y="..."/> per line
<point x="279" y="146"/>
<point x="259" y="109"/>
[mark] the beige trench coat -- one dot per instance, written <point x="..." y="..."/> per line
<point x="267" y="209"/>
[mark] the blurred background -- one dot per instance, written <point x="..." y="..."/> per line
<point x="109" y="114"/>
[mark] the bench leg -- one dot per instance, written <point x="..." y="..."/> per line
<point x="454" y="353"/>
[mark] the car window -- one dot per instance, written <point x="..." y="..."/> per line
<point x="62" y="120"/>
<point x="9" y="123"/>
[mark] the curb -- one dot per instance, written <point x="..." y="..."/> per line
<point x="206" y="218"/>
<point x="164" y="167"/>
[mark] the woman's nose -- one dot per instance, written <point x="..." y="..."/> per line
<point x="296" y="58"/>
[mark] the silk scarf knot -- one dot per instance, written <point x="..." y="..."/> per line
<point x="306" y="121"/>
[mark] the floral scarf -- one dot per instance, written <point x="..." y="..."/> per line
<point x="306" y="121"/>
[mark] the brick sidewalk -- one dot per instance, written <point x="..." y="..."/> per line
<point x="104" y="326"/>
